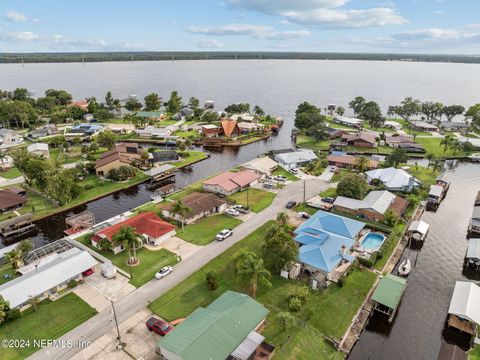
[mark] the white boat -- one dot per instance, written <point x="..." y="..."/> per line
<point x="475" y="157"/>
<point x="405" y="267"/>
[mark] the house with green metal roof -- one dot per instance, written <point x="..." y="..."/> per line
<point x="154" y="115"/>
<point x="388" y="294"/>
<point x="224" y="329"/>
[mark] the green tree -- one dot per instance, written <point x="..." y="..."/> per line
<point x="372" y="113"/>
<point x="318" y="131"/>
<point x="174" y="104"/>
<point x="396" y="157"/>
<point x="447" y="142"/>
<point x="109" y="101"/>
<point x="210" y="117"/>
<point x="25" y="246"/>
<point x="353" y="186"/>
<point x="4" y="308"/>
<point x="362" y="163"/>
<point x="15" y="257"/>
<point x="340" y="110"/>
<point x="390" y="217"/>
<point x="285" y="320"/>
<point x="182" y="210"/>
<point x="456" y="146"/>
<point x="306" y="120"/>
<point x="357" y="105"/>
<point x="62" y="97"/>
<point x="279" y="249"/>
<point x="451" y="111"/>
<point x="130" y="239"/>
<point x="258" y="111"/>
<point x="432" y="110"/>
<point x="251" y="268"/>
<point x="193" y="103"/>
<point x="473" y="113"/>
<point x="408" y="108"/>
<point x="282" y="218"/>
<point x="106" y="139"/>
<point x="133" y="104"/>
<point x="212" y="281"/>
<point x="34" y="301"/>
<point x="20" y="94"/>
<point x="102" y="115"/>
<point x="152" y="102"/>
<point x="17" y="113"/>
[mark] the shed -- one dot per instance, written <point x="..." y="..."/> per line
<point x="388" y="294"/>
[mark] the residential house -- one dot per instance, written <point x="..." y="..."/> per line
<point x="348" y="121"/>
<point x="225" y="329"/>
<point x="423" y="125"/>
<point x="121" y="154"/>
<point x="244" y="117"/>
<point x="336" y="133"/>
<point x="165" y="155"/>
<point x="229" y="128"/>
<point x="47" y="278"/>
<point x="210" y="130"/>
<point x="472" y="257"/>
<point x="392" y="125"/>
<point x="349" y="161"/>
<point x="11" y="200"/>
<point x="361" y="139"/>
<point x="9" y="137"/>
<point x="88" y="117"/>
<point x="326" y="241"/>
<point x="200" y="205"/>
<point x="155" y="132"/>
<point x="186" y="112"/>
<point x="248" y="127"/>
<point x="150" y="115"/>
<point x="229" y="182"/>
<point x="295" y="159"/>
<point x="43" y="131"/>
<point x="82" y="104"/>
<point x="40" y="149"/>
<point x="393" y="179"/>
<point x="151" y="229"/>
<point x="464" y="309"/>
<point x="84" y="130"/>
<point x="262" y="165"/>
<point x="454" y="125"/>
<point x="394" y="140"/>
<point x="411" y="147"/>
<point x="373" y="207"/>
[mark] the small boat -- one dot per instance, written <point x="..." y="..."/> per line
<point x="474" y="157"/>
<point x="405" y="267"/>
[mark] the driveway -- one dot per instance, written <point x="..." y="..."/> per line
<point x="102" y="323"/>
<point x="179" y="247"/>
<point x="111" y="289"/>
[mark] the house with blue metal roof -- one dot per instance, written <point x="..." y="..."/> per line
<point x="326" y="240"/>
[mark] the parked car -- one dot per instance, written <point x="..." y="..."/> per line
<point x="241" y="208"/>
<point x="269" y="185"/>
<point x="303" y="215"/>
<point x="291" y="204"/>
<point x="87" y="272"/>
<point x="225" y="233"/>
<point x="232" y="212"/>
<point x="161" y="327"/>
<point x="163" y="272"/>
<point x="328" y="200"/>
<point x="294" y="171"/>
<point x="280" y="178"/>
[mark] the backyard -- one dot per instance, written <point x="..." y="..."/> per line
<point x="151" y="261"/>
<point x="205" y="230"/>
<point x="432" y="146"/>
<point x="255" y="199"/>
<point x="326" y="313"/>
<point x="50" y="321"/>
<point x="193" y="156"/>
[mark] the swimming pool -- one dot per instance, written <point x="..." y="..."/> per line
<point x="372" y="241"/>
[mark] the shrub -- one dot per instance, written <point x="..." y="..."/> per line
<point x="300" y="292"/>
<point x="211" y="279"/>
<point x="365" y="262"/>
<point x="13" y="314"/>
<point x="71" y="284"/>
<point x="353" y="186"/>
<point x="295" y="304"/>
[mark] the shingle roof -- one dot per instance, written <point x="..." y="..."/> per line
<point x="389" y="291"/>
<point x="216" y="331"/>
<point x="229" y="127"/>
<point x="198" y="203"/>
<point x="119" y="152"/>
<point x="298" y="156"/>
<point x="147" y="223"/>
<point x="9" y="199"/>
<point x="231" y="180"/>
<point x="37" y="146"/>
<point x="350" y="160"/>
<point x="391" y="177"/>
<point x="262" y="164"/>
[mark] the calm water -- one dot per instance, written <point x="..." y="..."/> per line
<point x="279" y="86"/>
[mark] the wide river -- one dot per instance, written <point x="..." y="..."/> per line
<point x="278" y="87"/>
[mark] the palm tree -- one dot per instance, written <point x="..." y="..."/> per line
<point x="130" y="239"/>
<point x="456" y="146"/>
<point x="430" y="157"/>
<point x="437" y="165"/>
<point x="105" y="244"/>
<point x="285" y="319"/>
<point x="182" y="210"/>
<point x="15" y="257"/>
<point x="446" y="142"/>
<point x="362" y="163"/>
<point x="258" y="111"/>
<point x="253" y="270"/>
<point x="282" y="218"/>
<point x="33" y="301"/>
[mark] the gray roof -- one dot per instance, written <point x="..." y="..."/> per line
<point x="378" y="201"/>
<point x="297" y="156"/>
<point x="4" y="132"/>
<point x="64" y="267"/>
<point x="435" y="190"/>
<point x="473" y="250"/>
<point x="465" y="301"/>
<point x="159" y="170"/>
<point x="392" y="177"/>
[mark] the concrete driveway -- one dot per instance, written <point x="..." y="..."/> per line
<point x="111" y="289"/>
<point x="179" y="247"/>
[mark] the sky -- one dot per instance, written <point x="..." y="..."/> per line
<point x="380" y="26"/>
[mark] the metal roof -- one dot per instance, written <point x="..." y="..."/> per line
<point x="216" y="331"/>
<point x="391" y="177"/>
<point x="248" y="346"/>
<point x="419" y="226"/>
<point x="389" y="291"/>
<point x="435" y="190"/>
<point x="68" y="265"/>
<point x="473" y="250"/>
<point x="297" y="156"/>
<point x="378" y="201"/>
<point x="465" y="301"/>
<point x="159" y="170"/>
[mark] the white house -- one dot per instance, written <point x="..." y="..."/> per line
<point x="262" y="165"/>
<point x="9" y="137"/>
<point x="40" y="149"/>
<point x="295" y="159"/>
<point x="393" y="179"/>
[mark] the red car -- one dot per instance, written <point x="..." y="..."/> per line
<point x="87" y="272"/>
<point x="159" y="326"/>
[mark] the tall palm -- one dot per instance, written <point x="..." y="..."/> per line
<point x="253" y="270"/>
<point x="128" y="236"/>
<point x="430" y="157"/>
<point x="446" y="142"/>
<point x="456" y="146"/>
<point x="437" y="165"/>
<point x="15" y="257"/>
<point x="282" y="218"/>
<point x="362" y="163"/>
<point x="182" y="210"/>
<point x="285" y="319"/>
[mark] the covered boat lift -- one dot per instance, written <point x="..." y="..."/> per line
<point x="79" y="222"/>
<point x="388" y="294"/>
<point x="418" y="230"/>
<point x="464" y="310"/>
<point x="16" y="225"/>
<point x="161" y="172"/>
<point x="472" y="257"/>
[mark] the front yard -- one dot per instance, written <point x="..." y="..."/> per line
<point x="255" y="199"/>
<point x="11" y="173"/>
<point x="281" y="171"/>
<point x="326" y="313"/>
<point x="205" y="230"/>
<point x="150" y="261"/>
<point x="50" y="321"/>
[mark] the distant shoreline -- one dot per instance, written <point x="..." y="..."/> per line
<point x="29" y="58"/>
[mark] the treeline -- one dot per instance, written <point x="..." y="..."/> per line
<point x="225" y="55"/>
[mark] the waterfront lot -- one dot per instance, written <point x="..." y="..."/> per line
<point x="193" y="157"/>
<point x="432" y="146"/>
<point x="205" y="229"/>
<point x="50" y="321"/>
<point x="150" y="261"/>
<point x="257" y="199"/>
<point x="326" y="313"/>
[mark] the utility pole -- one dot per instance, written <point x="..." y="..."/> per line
<point x="304" y="190"/>
<point x="247" y="198"/>
<point x="119" y="345"/>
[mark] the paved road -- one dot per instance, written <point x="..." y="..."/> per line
<point x="100" y="324"/>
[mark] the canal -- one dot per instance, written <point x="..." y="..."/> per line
<point x="419" y="326"/>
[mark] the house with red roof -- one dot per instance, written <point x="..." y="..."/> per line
<point x="361" y="139"/>
<point x="229" y="182"/>
<point x="148" y="225"/>
<point x="230" y="128"/>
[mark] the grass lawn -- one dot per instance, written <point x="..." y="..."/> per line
<point x="50" y="321"/>
<point x="36" y="205"/>
<point x="474" y="354"/>
<point x="308" y="142"/>
<point x="390" y="245"/>
<point x="281" y="171"/>
<point x="340" y="174"/>
<point x="187" y="134"/>
<point x="150" y="261"/>
<point x="302" y="207"/>
<point x="6" y="269"/>
<point x="327" y="312"/>
<point x="193" y="156"/>
<point x="426" y="176"/>
<point x="11" y="173"/>
<point x="250" y="140"/>
<point x="205" y="229"/>
<point x="432" y="145"/>
<point x="330" y="192"/>
<point x="257" y="199"/>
